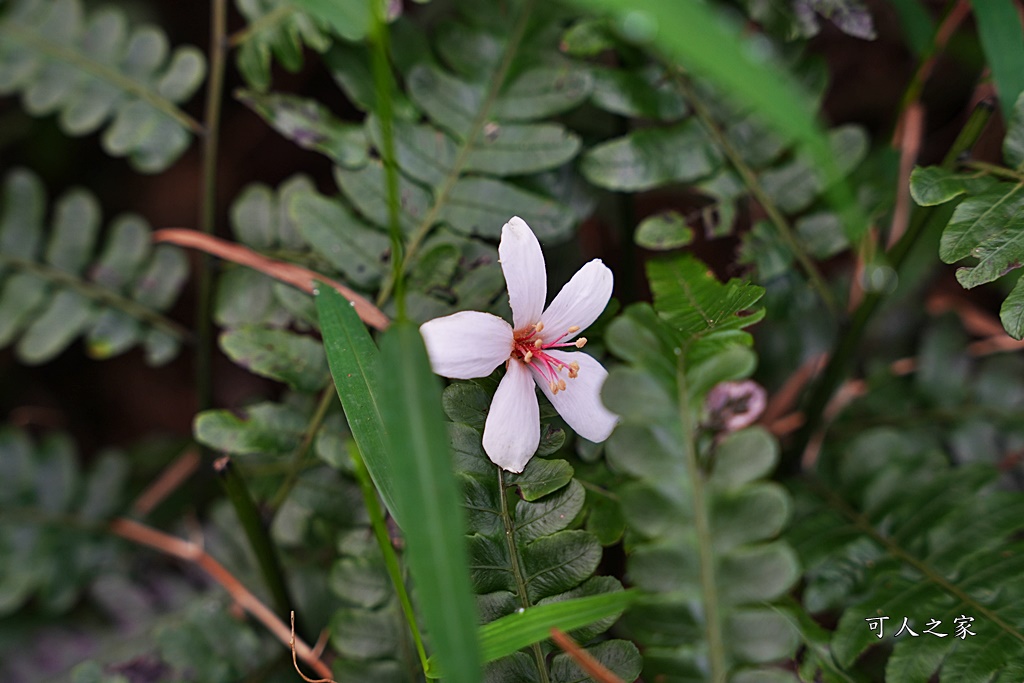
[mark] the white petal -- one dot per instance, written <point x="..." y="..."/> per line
<point x="581" y="300"/>
<point x="580" y="404"/>
<point x="523" y="265"/>
<point x="467" y="344"/>
<point x="512" y="430"/>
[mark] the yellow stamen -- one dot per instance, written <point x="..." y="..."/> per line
<point x="574" y="369"/>
<point x="537" y="344"/>
<point x="561" y="384"/>
<point x="553" y="387"/>
<point x="574" y="328"/>
<point x="528" y="357"/>
<point x="539" y="327"/>
<point x="581" y="342"/>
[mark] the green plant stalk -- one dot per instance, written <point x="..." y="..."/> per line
<point x="380" y="532"/>
<point x="754" y="185"/>
<point x="996" y="170"/>
<point x="382" y="79"/>
<point x="327" y="398"/>
<point x="16" y="32"/>
<point x="705" y="545"/>
<point x="841" y="358"/>
<point x="517" y="572"/>
<point x="99" y="293"/>
<point x="208" y="202"/>
<point x="481" y="118"/>
<point x="255" y="532"/>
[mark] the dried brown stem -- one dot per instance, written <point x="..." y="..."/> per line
<point x="289" y="273"/>
<point x="295" y="663"/>
<point x="593" y="668"/>
<point x="166" y="483"/>
<point x="190" y="552"/>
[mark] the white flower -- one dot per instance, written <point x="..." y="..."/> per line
<point x="471" y="344"/>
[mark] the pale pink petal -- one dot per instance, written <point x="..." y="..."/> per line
<point x="580" y="404"/>
<point x="468" y="344"/>
<point x="523" y="265"/>
<point x="512" y="430"/>
<point x="581" y="300"/>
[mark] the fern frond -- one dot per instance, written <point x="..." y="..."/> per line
<point x="93" y="69"/>
<point x="876" y="548"/>
<point x="986" y="223"/>
<point x="704" y="521"/>
<point x="473" y="161"/>
<point x="45" y="499"/>
<point x="276" y="28"/>
<point x="53" y="288"/>
<point x="527" y="551"/>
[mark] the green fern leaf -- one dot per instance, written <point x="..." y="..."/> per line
<point x="553" y="561"/>
<point x="93" y="69"/>
<point x="47" y="560"/>
<point x="278" y="29"/>
<point x="939" y="551"/>
<point x="704" y="521"/>
<point x="53" y="288"/>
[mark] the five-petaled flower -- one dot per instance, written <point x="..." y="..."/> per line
<point x="471" y="344"/>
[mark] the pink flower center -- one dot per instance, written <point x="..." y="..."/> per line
<point x="531" y="348"/>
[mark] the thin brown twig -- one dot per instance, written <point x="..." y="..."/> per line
<point x="593" y="668"/>
<point x="910" y="147"/>
<point x="296" y="276"/>
<point x="295" y="663"/>
<point x="190" y="552"/>
<point x="166" y="483"/>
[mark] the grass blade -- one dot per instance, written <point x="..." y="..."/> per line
<point x="410" y="398"/>
<point x="1000" y="32"/>
<point x="355" y="363"/>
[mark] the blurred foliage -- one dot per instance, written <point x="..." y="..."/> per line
<point x="648" y="132"/>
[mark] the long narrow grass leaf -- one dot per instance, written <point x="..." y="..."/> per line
<point x="354" y="362"/>
<point x="410" y="399"/>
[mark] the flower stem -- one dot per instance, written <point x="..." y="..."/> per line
<point x="380" y="532"/>
<point x="383" y="82"/>
<point x="517" y="572"/>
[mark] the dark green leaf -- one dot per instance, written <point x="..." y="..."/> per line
<point x="663" y="231"/>
<point x="347" y="243"/>
<point x="692" y="300"/>
<point x="1002" y="38"/>
<point x="541" y="477"/>
<point x="355" y="365"/>
<point x="433" y="523"/>
<point x="295" y="359"/>
<point x="651" y="157"/>
<point x="310" y="125"/>
<point x="350" y="19"/>
<point x="1013" y="143"/>
<point x="647" y="92"/>
<point x="556" y="563"/>
<point x="1011" y="313"/>
<point x="283" y="37"/>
